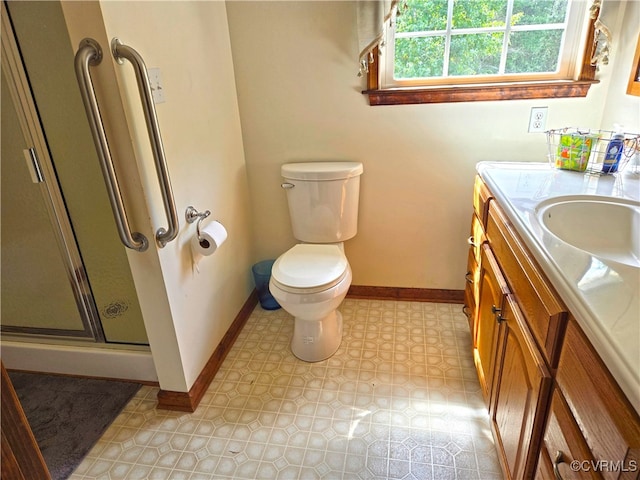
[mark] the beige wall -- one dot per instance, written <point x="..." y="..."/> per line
<point x="202" y="137"/>
<point x="299" y="96"/>
<point x="186" y="310"/>
<point x="619" y="107"/>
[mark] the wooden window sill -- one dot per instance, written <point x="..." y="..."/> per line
<point x="487" y="92"/>
<point x="478" y="93"/>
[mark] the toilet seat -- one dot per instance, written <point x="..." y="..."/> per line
<point x="310" y="268"/>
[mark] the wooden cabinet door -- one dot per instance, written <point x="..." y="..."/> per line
<point x="607" y="420"/>
<point x="481" y="198"/>
<point x="472" y="277"/>
<point x="492" y="290"/>
<point x="521" y="393"/>
<point x="476" y="238"/>
<point x="545" y="313"/>
<point x="469" y="307"/>
<point x="564" y="445"/>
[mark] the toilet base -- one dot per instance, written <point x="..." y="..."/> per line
<point x="317" y="340"/>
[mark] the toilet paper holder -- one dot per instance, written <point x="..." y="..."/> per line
<point x="191" y="215"/>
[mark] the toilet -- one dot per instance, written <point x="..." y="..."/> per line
<point x="311" y="279"/>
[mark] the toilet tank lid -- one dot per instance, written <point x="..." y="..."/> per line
<point x="321" y="170"/>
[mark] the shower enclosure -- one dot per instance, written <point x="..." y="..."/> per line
<point x="65" y="276"/>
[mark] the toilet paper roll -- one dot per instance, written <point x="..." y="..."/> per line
<point x="211" y="237"/>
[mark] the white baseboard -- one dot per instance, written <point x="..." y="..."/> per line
<point x="79" y="360"/>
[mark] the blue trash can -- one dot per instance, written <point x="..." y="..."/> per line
<point x="261" y="276"/>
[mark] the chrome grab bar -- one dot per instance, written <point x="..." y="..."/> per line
<point x="90" y="54"/>
<point x="120" y="51"/>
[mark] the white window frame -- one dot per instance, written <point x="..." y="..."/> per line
<point x="573" y="43"/>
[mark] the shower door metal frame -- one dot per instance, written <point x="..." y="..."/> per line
<point x="30" y="125"/>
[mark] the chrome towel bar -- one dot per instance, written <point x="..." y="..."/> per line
<point x="90" y="54"/>
<point x="120" y="51"/>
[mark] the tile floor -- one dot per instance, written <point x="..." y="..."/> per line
<point x="400" y="399"/>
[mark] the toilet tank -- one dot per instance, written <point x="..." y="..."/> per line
<point x="323" y="200"/>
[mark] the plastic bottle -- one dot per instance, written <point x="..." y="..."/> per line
<point x="613" y="152"/>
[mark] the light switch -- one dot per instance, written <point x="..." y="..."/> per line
<point x="155" y="79"/>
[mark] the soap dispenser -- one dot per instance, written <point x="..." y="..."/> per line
<point x="614" y="151"/>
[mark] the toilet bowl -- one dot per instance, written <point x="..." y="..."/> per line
<point x="310" y="281"/>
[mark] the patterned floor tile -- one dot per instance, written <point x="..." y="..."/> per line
<point x="398" y="400"/>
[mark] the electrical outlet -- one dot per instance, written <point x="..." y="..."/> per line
<point x="157" y="90"/>
<point x="538" y="119"/>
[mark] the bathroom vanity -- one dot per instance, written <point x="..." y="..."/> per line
<point x="552" y="297"/>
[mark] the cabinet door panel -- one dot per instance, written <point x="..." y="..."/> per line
<point x="472" y="277"/>
<point x="521" y="393"/>
<point x="563" y="436"/>
<point x="545" y="313"/>
<point x="492" y="290"/>
<point x="476" y="238"/>
<point x="544" y="470"/>
<point x="471" y="289"/>
<point x="608" y="422"/>
<point x="481" y="198"/>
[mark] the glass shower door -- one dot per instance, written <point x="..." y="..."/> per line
<point x="44" y="288"/>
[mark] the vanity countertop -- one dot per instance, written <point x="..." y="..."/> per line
<point x="603" y="295"/>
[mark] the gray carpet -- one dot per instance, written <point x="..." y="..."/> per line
<point x="68" y="414"/>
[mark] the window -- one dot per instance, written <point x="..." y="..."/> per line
<point x="469" y="50"/>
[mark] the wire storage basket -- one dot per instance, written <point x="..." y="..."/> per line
<point x="584" y="150"/>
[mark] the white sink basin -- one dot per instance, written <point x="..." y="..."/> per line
<point x="605" y="227"/>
